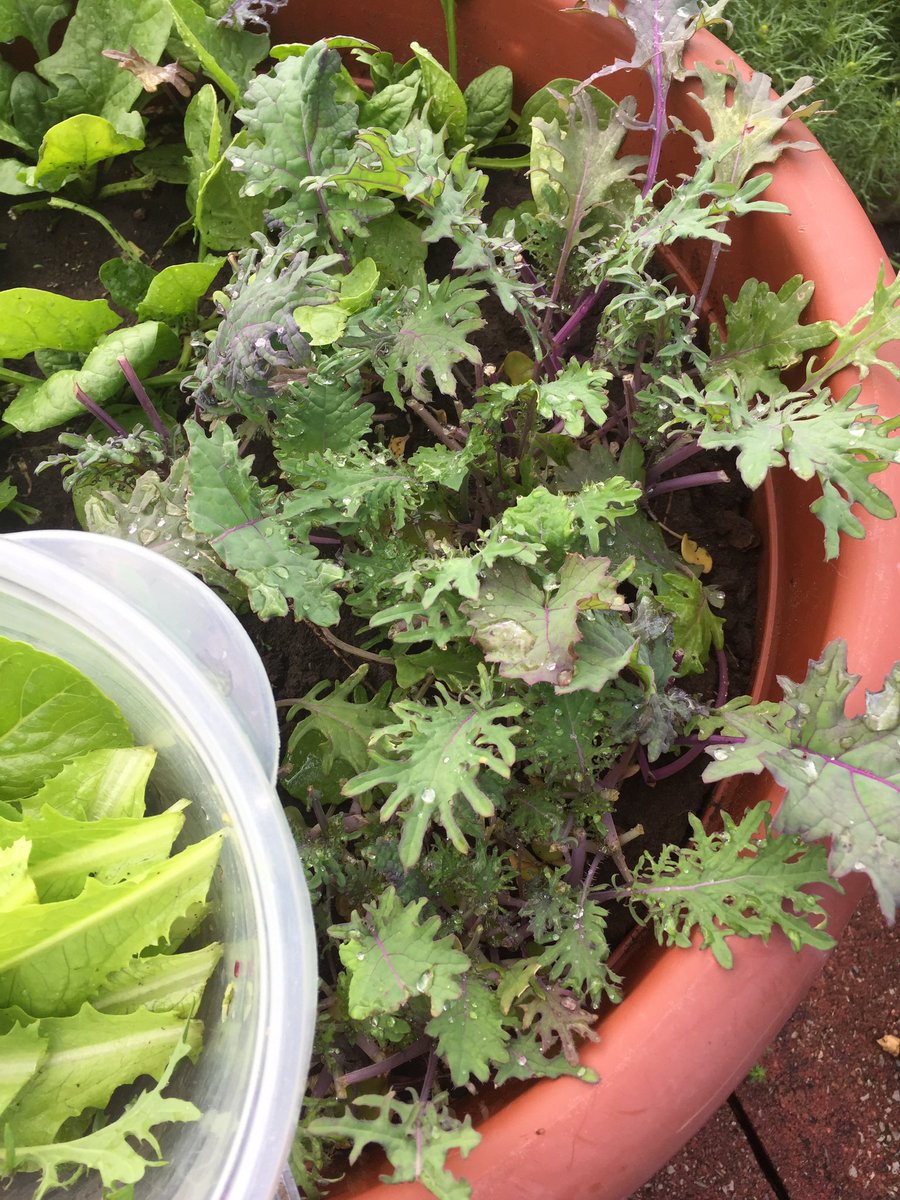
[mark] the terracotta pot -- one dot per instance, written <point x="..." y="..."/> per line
<point x="687" y="1031"/>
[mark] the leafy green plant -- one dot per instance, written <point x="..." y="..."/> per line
<point x="484" y="533"/>
<point x="851" y="52"/>
<point x="92" y="997"/>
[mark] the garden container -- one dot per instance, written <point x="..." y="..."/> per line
<point x="688" y="1030"/>
<point x="187" y="679"/>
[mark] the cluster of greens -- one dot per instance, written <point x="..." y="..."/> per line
<point x="851" y="50"/>
<point x="482" y="526"/>
<point x="92" y="997"/>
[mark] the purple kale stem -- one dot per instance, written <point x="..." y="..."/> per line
<point x="647" y="775"/>
<point x="589" y="880"/>
<point x="100" y="413"/>
<point x="325" y="541"/>
<point x="839" y="762"/>
<point x="700" y="299"/>
<point x="579" y="858"/>
<point x="679" y="764"/>
<point x="672" y="460"/>
<point x="585" y="305"/>
<point x="144" y="399"/>
<point x="660" y="92"/>
<point x="373" y="1071"/>
<point x="615" y="846"/>
<point x="722" y="690"/>
<point x="235" y="528"/>
<point x="685" y="481"/>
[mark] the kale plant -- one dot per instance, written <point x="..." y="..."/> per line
<point x="526" y="632"/>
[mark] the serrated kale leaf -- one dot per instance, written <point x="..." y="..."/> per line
<point x="391" y="957"/>
<point x="763" y="335"/>
<point x="841" y="442"/>
<point x="470" y="1032"/>
<point x="416" y="1135"/>
<point x="660" y="27"/>
<point x="258" y="345"/>
<point x="731" y="883"/>
<point x="431" y="759"/>
<point x="301" y="122"/>
<point x="841" y="773"/>
<point x="242" y="522"/>
<point x="317" y="416"/>
<point x="744" y="124"/>
<point x="346" y="719"/>
<point x="875" y="325"/>
<point x="416" y="352"/>
<point x="532" y="632"/>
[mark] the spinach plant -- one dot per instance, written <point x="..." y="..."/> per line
<point x="527" y="632"/>
<point x="92" y="997"/>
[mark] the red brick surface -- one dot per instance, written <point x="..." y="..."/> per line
<point x="716" y="1163"/>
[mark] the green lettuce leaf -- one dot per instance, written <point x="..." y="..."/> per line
<point x="160" y="983"/>
<point x="22" y="1049"/>
<point x="49" y="714"/>
<point x="16" y="885"/>
<point x="65" y="852"/>
<point x="87" y="1056"/>
<point x="107" y="1150"/>
<point x="55" y="956"/>
<point x="98" y="783"/>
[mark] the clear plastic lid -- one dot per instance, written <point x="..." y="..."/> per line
<point x="189" y="682"/>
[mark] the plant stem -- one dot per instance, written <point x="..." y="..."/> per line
<point x="702" y="479"/>
<point x="7" y="375"/>
<point x="449" y="7"/>
<point x="348" y="649"/>
<point x="100" y="413"/>
<point x="722" y="690"/>
<point x="660" y="92"/>
<point x="129" y="249"/>
<point x="442" y="434"/>
<point x="374" y="1070"/>
<point x="167" y="378"/>
<point x="142" y="184"/>
<point x="570" y="328"/>
<point x="144" y="400"/>
<point x="680" y="453"/>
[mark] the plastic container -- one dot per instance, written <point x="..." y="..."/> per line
<point x="189" y="682"/>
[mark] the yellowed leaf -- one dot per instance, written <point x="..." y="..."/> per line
<point x="890" y="1043"/>
<point x="517" y="367"/>
<point x="398" y="445"/>
<point x="696" y="555"/>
